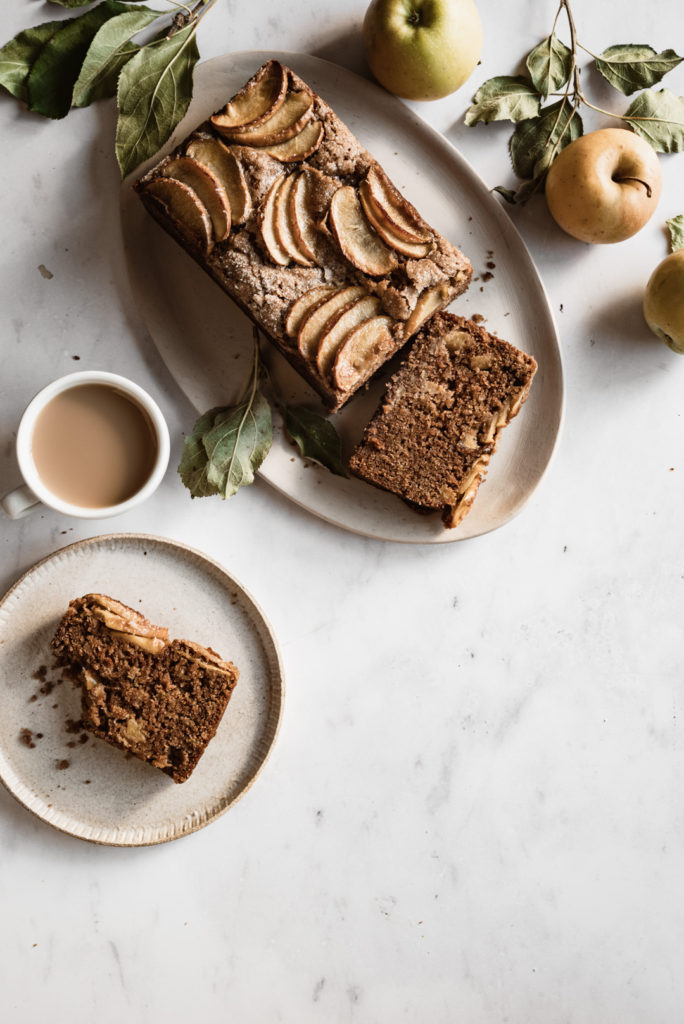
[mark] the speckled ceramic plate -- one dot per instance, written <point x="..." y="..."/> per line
<point x="206" y="341"/>
<point x="80" y="784"/>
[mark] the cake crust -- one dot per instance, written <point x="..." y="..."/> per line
<point x="432" y="437"/>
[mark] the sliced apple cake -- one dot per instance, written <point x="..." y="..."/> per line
<point x="295" y="220"/>
<point x="159" y="699"/>
<point x="439" y="423"/>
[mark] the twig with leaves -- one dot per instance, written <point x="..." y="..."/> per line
<point x="144" y="57"/>
<point x="228" y="444"/>
<point x="553" y="73"/>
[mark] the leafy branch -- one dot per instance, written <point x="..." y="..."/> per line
<point x="144" y="57"/>
<point x="228" y="444"/>
<point x="553" y="72"/>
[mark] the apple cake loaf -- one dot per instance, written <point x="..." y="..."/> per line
<point x="277" y="200"/>
<point x="158" y="699"/>
<point x="432" y="437"/>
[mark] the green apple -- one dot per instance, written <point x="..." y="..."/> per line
<point x="604" y="186"/>
<point x="422" y="49"/>
<point x="664" y="301"/>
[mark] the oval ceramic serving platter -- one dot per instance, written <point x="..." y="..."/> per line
<point x="80" y="784"/>
<point x="207" y="342"/>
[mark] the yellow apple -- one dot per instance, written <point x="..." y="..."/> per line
<point x="422" y="49"/>
<point x="664" y="301"/>
<point x="604" y="186"/>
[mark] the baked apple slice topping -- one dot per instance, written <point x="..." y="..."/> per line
<point x="385" y="228"/>
<point x="359" y="243"/>
<point x="182" y="206"/>
<point x="208" y="189"/>
<point x="304" y="305"/>
<point x="266" y="223"/>
<point x="257" y="102"/>
<point x="362" y="352"/>
<point x="316" y="322"/>
<point x="284" y="223"/>
<point x="391" y="208"/>
<point x="341" y="325"/>
<point x="301" y="219"/>
<point x="218" y="158"/>
<point x="301" y="146"/>
<point x="427" y="304"/>
<point x="287" y="121"/>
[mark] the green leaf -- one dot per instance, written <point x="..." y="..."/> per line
<point x="629" y="67"/>
<point x="227" y="445"/>
<point x="659" y="118"/>
<point x="549" y="64"/>
<point x="675" y="225"/>
<point x="82" y="3"/>
<point x="504" y="98"/>
<point x="17" y="56"/>
<point x="316" y="438"/>
<point x="536" y="143"/>
<point x="154" y="92"/>
<point x="52" y="77"/>
<point x="110" y="49"/>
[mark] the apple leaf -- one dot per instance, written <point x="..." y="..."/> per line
<point x="316" y="438"/>
<point x="18" y="56"/>
<point x="675" y="226"/>
<point x="504" y="98"/>
<point x="228" y="444"/>
<point x="630" y="67"/>
<point x="154" y="92"/>
<point x="535" y="143"/>
<point x="51" y="80"/>
<point x="110" y="49"/>
<point x="549" y="64"/>
<point x="659" y="118"/>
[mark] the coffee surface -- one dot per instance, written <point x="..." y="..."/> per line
<point x="93" y="446"/>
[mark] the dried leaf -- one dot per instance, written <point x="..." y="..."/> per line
<point x="504" y="98"/>
<point x="227" y="445"/>
<point x="630" y="67"/>
<point x="110" y="49"/>
<point x="549" y="64"/>
<point x="316" y="438"/>
<point x="18" y="56"/>
<point x="535" y="143"/>
<point x="154" y="92"/>
<point x="675" y="225"/>
<point x="51" y="80"/>
<point x="659" y="118"/>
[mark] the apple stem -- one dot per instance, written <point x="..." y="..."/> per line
<point x="619" y="179"/>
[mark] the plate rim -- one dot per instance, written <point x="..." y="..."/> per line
<point x="281" y="689"/>
<point x="438" y="138"/>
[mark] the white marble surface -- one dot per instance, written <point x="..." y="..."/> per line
<point x="474" y="809"/>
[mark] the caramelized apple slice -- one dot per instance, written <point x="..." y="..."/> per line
<point x="363" y="351"/>
<point x="183" y="207"/>
<point x="299" y="147"/>
<point x="315" y="323"/>
<point x="208" y="188"/>
<point x="336" y="332"/>
<point x="391" y="206"/>
<point x="266" y="222"/>
<point x="301" y="220"/>
<point x="359" y="243"/>
<point x="218" y="158"/>
<point x="258" y="101"/>
<point x="283" y="228"/>
<point x="287" y="121"/>
<point x="427" y="304"/>
<point x="385" y="229"/>
<point x="304" y="305"/>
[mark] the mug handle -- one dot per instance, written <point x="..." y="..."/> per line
<point x="19" y="502"/>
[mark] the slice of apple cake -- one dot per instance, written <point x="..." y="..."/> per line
<point x="278" y="201"/>
<point x="159" y="699"/>
<point x="439" y="423"/>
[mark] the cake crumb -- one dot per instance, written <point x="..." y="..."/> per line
<point x="26" y="737"/>
<point x="61" y="765"/>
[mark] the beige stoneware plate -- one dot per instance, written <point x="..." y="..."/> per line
<point x="99" y="793"/>
<point x="206" y="341"/>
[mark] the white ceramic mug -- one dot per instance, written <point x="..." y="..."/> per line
<point x="23" y="500"/>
